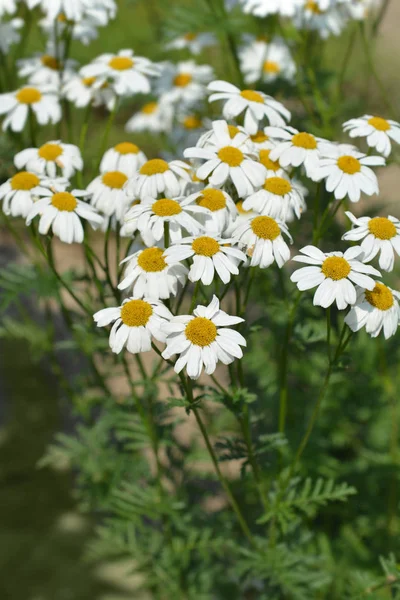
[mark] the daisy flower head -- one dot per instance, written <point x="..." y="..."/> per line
<point x="157" y="176"/>
<point x="82" y="91"/>
<point x="62" y="212"/>
<point x="152" y="273"/>
<point x="151" y="215"/>
<point x="255" y="105"/>
<point x="262" y="8"/>
<point x="125" y="156"/>
<point x="261" y="141"/>
<point x="46" y="69"/>
<point x="273" y="167"/>
<point x="228" y="159"/>
<point x="7" y="7"/>
<point x="73" y="11"/>
<point x="376" y="310"/>
<point x="323" y="18"/>
<point x="347" y="172"/>
<point x="336" y="275"/>
<point x="153" y="116"/>
<point x="266" y="62"/>
<point x="84" y="31"/>
<point x="41" y="100"/>
<point x="129" y="74"/>
<point x="50" y="156"/>
<point x="209" y="138"/>
<point x="203" y="339"/>
<point x="136" y="322"/>
<point x="108" y="194"/>
<point x="294" y="148"/>
<point x="262" y="238"/>
<point x="194" y="42"/>
<point x="242" y="216"/>
<point x="9" y="34"/>
<point x="20" y="192"/>
<point x="378" y="131"/>
<point x="183" y="83"/>
<point x="219" y="208"/>
<point x="277" y="198"/>
<point x="378" y="235"/>
<point x="209" y="254"/>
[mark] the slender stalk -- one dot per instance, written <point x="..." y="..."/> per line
<point x="32" y="127"/>
<point x="345" y="64"/>
<point x="82" y="138"/>
<point x="380" y="16"/>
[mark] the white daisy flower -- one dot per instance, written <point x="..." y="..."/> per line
<point x="47" y="158"/>
<point x="375" y="310"/>
<point x="228" y="159"/>
<point x="335" y="274"/>
<point x="73" y="11"/>
<point x="273" y="167"/>
<point x="294" y="148"/>
<point x="261" y="141"/>
<point x="361" y="9"/>
<point x="262" y="237"/>
<point x="153" y="116"/>
<point x="130" y="74"/>
<point x="378" y="234"/>
<point x="136" y="322"/>
<point x="347" y="172"/>
<point x="20" y="192"/>
<point x="150" y="216"/>
<point x="46" y="69"/>
<point x="277" y="198"/>
<point x="266" y="62"/>
<point x="194" y="42"/>
<point x="7" y="7"/>
<point x="202" y="339"/>
<point x="209" y="138"/>
<point x="125" y="156"/>
<point x="183" y="83"/>
<point x="262" y="8"/>
<point x="63" y="211"/>
<point x="82" y="91"/>
<point x="210" y="254"/>
<point x="153" y="274"/>
<point x="377" y="130"/>
<point x="326" y="21"/>
<point x="9" y="34"/>
<point x="84" y="31"/>
<point x="255" y="105"/>
<point x="108" y="194"/>
<point x="220" y="207"/>
<point x="43" y="101"/>
<point x="157" y="176"/>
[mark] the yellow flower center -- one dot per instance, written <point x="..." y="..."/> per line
<point x="277" y="186"/>
<point x="252" y="96"/>
<point x="189" y="37"/>
<point x="50" y="62"/>
<point x="166" y="207"/>
<point x="233" y="130"/>
<point x="182" y="80"/>
<point x="149" y="108"/>
<point x="192" y="122"/>
<point x="154" y="166"/>
<point x="205" y="246"/>
<point x="271" y="165"/>
<point x="265" y="228"/>
<point x="64" y="201"/>
<point x="114" y="179"/>
<point x="304" y="140"/>
<point x="121" y="63"/>
<point x="259" y="137"/>
<point x="313" y="7"/>
<point x="212" y="199"/>
<point x="349" y="165"/>
<point x="382" y="228"/>
<point x="271" y="66"/>
<point x="240" y="209"/>
<point x="126" y="148"/>
<point x="231" y="156"/>
<point x="50" y="152"/>
<point x="152" y="260"/>
<point x="380" y="297"/>
<point x="136" y="313"/>
<point x="335" y="267"/>
<point x="379" y="123"/>
<point x="24" y="181"/>
<point x="29" y="95"/>
<point x="88" y="81"/>
<point x="201" y="331"/>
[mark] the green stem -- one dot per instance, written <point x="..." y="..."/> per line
<point x="32" y="127"/>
